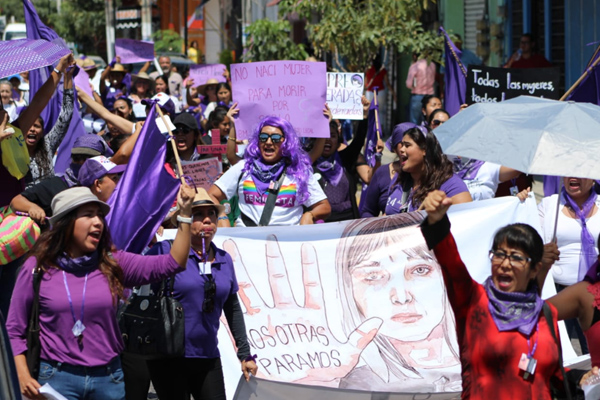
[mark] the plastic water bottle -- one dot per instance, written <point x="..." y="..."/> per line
<point x="591" y="387"/>
<point x="519" y="53"/>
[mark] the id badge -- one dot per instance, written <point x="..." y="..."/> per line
<point x="514" y="190"/>
<point x="523" y="362"/>
<point x="527" y="365"/>
<point x="203" y="268"/>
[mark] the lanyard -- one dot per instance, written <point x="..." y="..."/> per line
<point x="78" y="327"/>
<point x="531" y="352"/>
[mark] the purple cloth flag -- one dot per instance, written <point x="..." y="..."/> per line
<point x="456" y="77"/>
<point x="133" y="51"/>
<point x="588" y="91"/>
<point x="28" y="54"/>
<point x="76" y="129"/>
<point x="36" y="29"/>
<point x="372" y="134"/>
<point x="145" y="193"/>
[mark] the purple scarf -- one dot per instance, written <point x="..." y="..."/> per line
<point x="514" y="310"/>
<point x="331" y="168"/>
<point x="467" y="171"/>
<point x="83" y="264"/>
<point x="263" y="174"/>
<point x="588" y="255"/>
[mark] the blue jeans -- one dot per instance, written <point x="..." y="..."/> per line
<point x="84" y="383"/>
<point x="416" y="113"/>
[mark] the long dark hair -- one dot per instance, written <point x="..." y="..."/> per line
<point x="437" y="169"/>
<point x="41" y="157"/>
<point x="53" y="242"/>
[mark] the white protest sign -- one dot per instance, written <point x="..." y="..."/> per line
<point x="292" y="90"/>
<point x="344" y="91"/>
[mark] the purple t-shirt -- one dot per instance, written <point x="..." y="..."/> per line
<point x="201" y="327"/>
<point x="101" y="337"/>
<point x="453" y="186"/>
<point x="374" y="199"/>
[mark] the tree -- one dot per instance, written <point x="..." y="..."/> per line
<point x="358" y="29"/>
<point x="167" y="40"/>
<point x="82" y="22"/>
<point x="268" y="40"/>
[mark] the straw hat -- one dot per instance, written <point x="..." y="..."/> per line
<point x="141" y="75"/>
<point x="118" y="68"/>
<point x="70" y="199"/>
<point x="202" y="88"/>
<point x="202" y="199"/>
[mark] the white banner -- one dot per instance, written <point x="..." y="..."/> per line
<point x="314" y="296"/>
<point x="344" y="92"/>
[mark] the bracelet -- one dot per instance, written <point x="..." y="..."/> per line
<point x="223" y="218"/>
<point x="57" y="72"/>
<point x="378" y="156"/>
<point x="184" y="219"/>
<point x="232" y="139"/>
<point x="250" y="358"/>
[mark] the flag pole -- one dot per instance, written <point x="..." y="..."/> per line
<point x="376" y="112"/>
<point x="581" y="78"/>
<point x="177" y="159"/>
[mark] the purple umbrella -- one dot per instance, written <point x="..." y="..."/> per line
<point x="27" y="54"/>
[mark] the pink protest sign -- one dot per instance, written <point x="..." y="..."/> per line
<point x="82" y="80"/>
<point x="203" y="72"/>
<point x="204" y="172"/>
<point x="133" y="51"/>
<point x="216" y="147"/>
<point x="292" y="90"/>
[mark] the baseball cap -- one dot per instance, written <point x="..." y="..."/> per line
<point x="97" y="167"/>
<point x="91" y="145"/>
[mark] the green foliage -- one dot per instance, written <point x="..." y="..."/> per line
<point x="268" y="40"/>
<point x="167" y="40"/>
<point x="358" y="29"/>
<point x="226" y="57"/>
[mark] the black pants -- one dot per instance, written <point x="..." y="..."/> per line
<point x="137" y="376"/>
<point x="177" y="378"/>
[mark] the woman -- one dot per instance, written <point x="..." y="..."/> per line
<point x="508" y="347"/>
<point x="219" y="119"/>
<point x="421" y="169"/>
<point x="42" y="147"/>
<point x="115" y="74"/>
<point x="123" y="107"/>
<point x="429" y="103"/>
<point x="577" y="227"/>
<point x="142" y="89"/>
<point x="79" y="334"/>
<point x="162" y="86"/>
<point x="224" y="94"/>
<point x="206" y="289"/>
<point x="274" y="162"/>
<point x="437" y="118"/>
<point x="187" y="138"/>
<point x="8" y="104"/>
<point x="382" y="265"/>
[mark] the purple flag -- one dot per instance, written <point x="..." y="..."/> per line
<point x="27" y="54"/>
<point x="36" y="29"/>
<point x="588" y="91"/>
<point x="144" y="194"/>
<point x="372" y="130"/>
<point x="76" y="129"/>
<point x="133" y="51"/>
<point x="456" y="77"/>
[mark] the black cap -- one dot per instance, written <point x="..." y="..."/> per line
<point x="186" y="119"/>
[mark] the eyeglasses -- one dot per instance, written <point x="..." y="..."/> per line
<point x="210" y="289"/>
<point x="275" y="137"/>
<point x="514" y="259"/>
<point x="436" y="122"/>
<point x="181" y="130"/>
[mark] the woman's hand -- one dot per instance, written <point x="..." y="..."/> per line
<point x="233" y="111"/>
<point x="463" y="107"/>
<point x="64" y="62"/>
<point x="550" y="255"/>
<point x="366" y="105"/>
<point x="189" y="82"/>
<point x="249" y="367"/>
<point x="29" y="386"/>
<point x="226" y="74"/>
<point x="185" y="198"/>
<point x="4" y="131"/>
<point x="37" y="214"/>
<point x="379" y="146"/>
<point x="327" y="112"/>
<point x="588" y="375"/>
<point x="436" y="204"/>
<point x="523" y="194"/>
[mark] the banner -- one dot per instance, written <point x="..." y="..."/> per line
<point x="292" y="90"/>
<point x="203" y="72"/>
<point x="344" y="91"/>
<point x="315" y="295"/>
<point x="204" y="172"/>
<point x="134" y="51"/>
<point x="491" y="85"/>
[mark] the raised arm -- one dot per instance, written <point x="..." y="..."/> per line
<point x="232" y="156"/>
<point x="123" y="125"/>
<point x="122" y="155"/>
<point x="61" y="127"/>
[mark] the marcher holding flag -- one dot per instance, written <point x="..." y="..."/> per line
<point x="455" y="89"/>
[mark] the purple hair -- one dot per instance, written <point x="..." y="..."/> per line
<point x="297" y="161"/>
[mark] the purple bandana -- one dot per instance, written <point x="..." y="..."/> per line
<point x="467" y="170"/>
<point x="264" y="174"/>
<point x="331" y="168"/>
<point x="514" y="310"/>
<point x="588" y="255"/>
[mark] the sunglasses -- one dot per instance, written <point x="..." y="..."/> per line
<point x="436" y="122"/>
<point x="181" y="130"/>
<point x="210" y="289"/>
<point x="275" y="137"/>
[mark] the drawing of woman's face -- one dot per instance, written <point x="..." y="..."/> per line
<point x="403" y="287"/>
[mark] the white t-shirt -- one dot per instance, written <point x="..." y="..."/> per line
<point x="287" y="211"/>
<point x="568" y="235"/>
<point x="485" y="183"/>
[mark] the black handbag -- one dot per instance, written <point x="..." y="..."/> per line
<point x="34" y="346"/>
<point x="153" y="326"/>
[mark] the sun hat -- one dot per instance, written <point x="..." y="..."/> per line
<point x="70" y="199"/>
<point x="202" y="199"/>
<point x="141" y="75"/>
<point x="97" y="167"/>
<point x="202" y="88"/>
<point x="164" y="102"/>
<point x="118" y="68"/>
<point x="91" y="145"/>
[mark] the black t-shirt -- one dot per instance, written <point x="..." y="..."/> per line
<point x="43" y="193"/>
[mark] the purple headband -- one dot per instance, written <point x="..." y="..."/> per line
<point x="398" y="134"/>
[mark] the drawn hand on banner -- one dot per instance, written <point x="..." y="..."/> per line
<point x="294" y="342"/>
